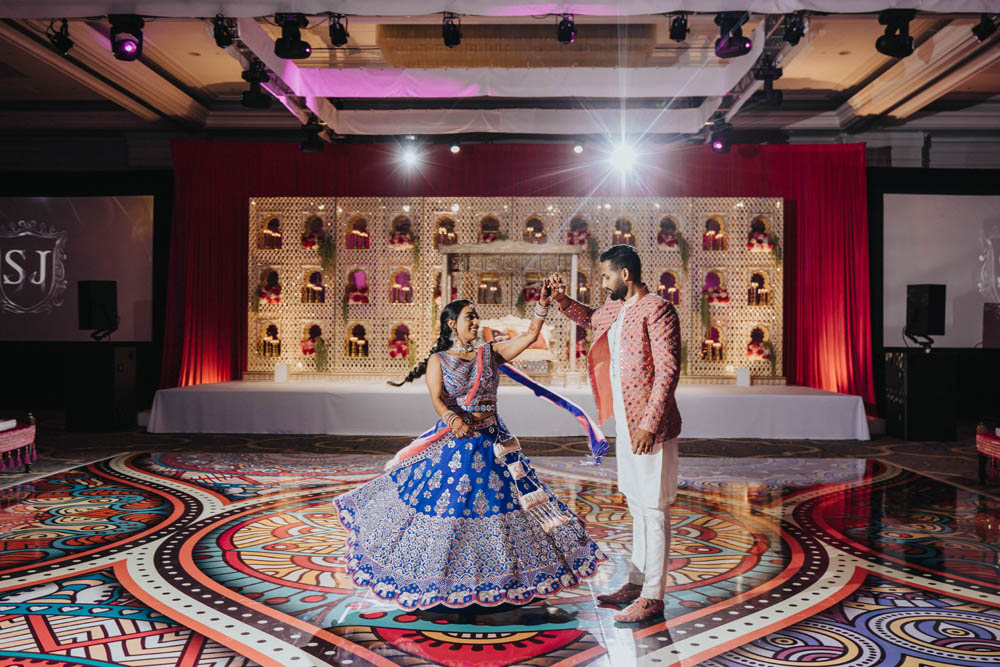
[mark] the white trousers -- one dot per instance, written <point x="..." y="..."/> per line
<point x="649" y="483"/>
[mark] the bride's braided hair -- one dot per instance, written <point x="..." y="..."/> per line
<point x="449" y="312"/>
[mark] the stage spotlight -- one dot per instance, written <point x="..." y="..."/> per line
<point x="896" y="42"/>
<point x="126" y="36"/>
<point x="224" y="31"/>
<point x="256" y="98"/>
<point x="410" y="156"/>
<point x="59" y="39"/>
<point x="313" y="143"/>
<point x="679" y="28"/>
<point x="455" y="147"/>
<point x="795" y="28"/>
<point x="451" y="31"/>
<point x="623" y="157"/>
<point x="766" y="70"/>
<point x="722" y="139"/>
<point x="731" y="42"/>
<point x="981" y="30"/>
<point x="566" y="30"/>
<point x="338" y="30"/>
<point x="290" y="45"/>
<point x="768" y="97"/>
<point x="577" y="148"/>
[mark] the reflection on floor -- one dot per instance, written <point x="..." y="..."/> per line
<point x="227" y="559"/>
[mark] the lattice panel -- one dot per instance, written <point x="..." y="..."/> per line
<point x="608" y="220"/>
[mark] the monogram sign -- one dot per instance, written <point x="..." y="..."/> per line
<point x="32" y="267"/>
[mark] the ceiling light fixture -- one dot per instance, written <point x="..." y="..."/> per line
<point x="722" y="138"/>
<point x="451" y="32"/>
<point x="679" y="27"/>
<point x="126" y="36"/>
<point x="313" y="143"/>
<point x="256" y="97"/>
<point x="338" y="30"/>
<point x="731" y="42"/>
<point x="224" y="31"/>
<point x="59" y="39"/>
<point x="897" y="41"/>
<point x="984" y="28"/>
<point x="566" y="30"/>
<point x="290" y="45"/>
<point x="795" y="28"/>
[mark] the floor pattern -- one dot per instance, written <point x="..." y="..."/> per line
<point x="190" y="559"/>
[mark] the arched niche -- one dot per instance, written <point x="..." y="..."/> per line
<point x="669" y="287"/>
<point x="579" y="231"/>
<point x="666" y="237"/>
<point x="714" y="287"/>
<point x="445" y="234"/>
<point x="358" y="233"/>
<point x="399" y="341"/>
<point x="712" y="348"/>
<point x="401" y="290"/>
<point x="402" y="232"/>
<point x="534" y="230"/>
<point x="714" y="237"/>
<point x="311" y="332"/>
<point x="623" y="234"/>
<point x="357" y="286"/>
<point x="269" y="345"/>
<point x="269" y="292"/>
<point x="488" y="291"/>
<point x="758" y="348"/>
<point x="312" y="231"/>
<point x="313" y="290"/>
<point x="356" y="345"/>
<point x="759" y="237"/>
<point x="532" y="286"/>
<point x="269" y="236"/>
<point x="759" y="291"/>
<point x="489" y="229"/>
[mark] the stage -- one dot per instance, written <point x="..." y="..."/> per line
<point x="341" y="408"/>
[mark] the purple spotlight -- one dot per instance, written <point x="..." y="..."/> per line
<point x="717" y="146"/>
<point x="126" y="36"/>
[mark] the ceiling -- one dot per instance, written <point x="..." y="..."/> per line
<point x="509" y="78"/>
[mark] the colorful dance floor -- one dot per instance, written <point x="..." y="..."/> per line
<point x="223" y="559"/>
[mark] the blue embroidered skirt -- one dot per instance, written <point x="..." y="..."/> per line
<point x="446" y="527"/>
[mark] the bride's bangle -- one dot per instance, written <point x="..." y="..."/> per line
<point x="541" y="312"/>
<point x="447" y="417"/>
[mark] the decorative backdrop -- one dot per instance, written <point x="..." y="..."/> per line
<point x="827" y="341"/>
<point x="350" y="287"/>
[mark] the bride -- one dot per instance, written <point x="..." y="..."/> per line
<point x="460" y="518"/>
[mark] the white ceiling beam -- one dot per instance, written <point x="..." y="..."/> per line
<point x="946" y="52"/>
<point x="613" y="82"/>
<point x="61" y="64"/>
<point x="93" y="49"/>
<point x="251" y="8"/>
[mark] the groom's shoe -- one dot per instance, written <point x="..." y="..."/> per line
<point x="641" y="610"/>
<point x="623" y="595"/>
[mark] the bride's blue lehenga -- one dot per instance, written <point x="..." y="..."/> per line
<point x="463" y="521"/>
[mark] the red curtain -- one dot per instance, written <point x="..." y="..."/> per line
<point x="826" y="317"/>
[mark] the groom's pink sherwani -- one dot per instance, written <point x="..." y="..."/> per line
<point x="651" y="361"/>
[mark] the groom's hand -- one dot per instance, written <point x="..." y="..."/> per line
<point x="558" y="290"/>
<point x="642" y="442"/>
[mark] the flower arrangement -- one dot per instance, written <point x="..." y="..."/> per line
<point x="312" y="239"/>
<point x="308" y="346"/>
<point x="759" y="241"/>
<point x="269" y="294"/>
<point x="715" y="294"/>
<point x="399" y="349"/>
<point x="437" y="296"/>
<point x="667" y="239"/>
<point x="579" y="237"/>
<point x="758" y="351"/>
<point x="401" y="238"/>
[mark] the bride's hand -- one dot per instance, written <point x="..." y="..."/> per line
<point x="545" y="298"/>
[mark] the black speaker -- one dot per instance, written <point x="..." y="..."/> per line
<point x="98" y="304"/>
<point x="991" y="325"/>
<point x="920" y="389"/>
<point x="100" y="387"/>
<point x="925" y="310"/>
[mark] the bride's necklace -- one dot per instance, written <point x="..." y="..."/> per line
<point x="463" y="347"/>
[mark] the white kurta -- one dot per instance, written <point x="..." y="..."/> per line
<point x="649" y="480"/>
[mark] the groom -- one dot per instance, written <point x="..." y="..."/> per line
<point x="634" y="366"/>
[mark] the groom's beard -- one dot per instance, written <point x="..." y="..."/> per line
<point x="618" y="293"/>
